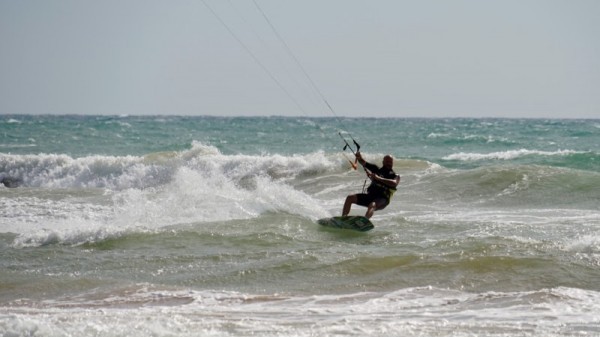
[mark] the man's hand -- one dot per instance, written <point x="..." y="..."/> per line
<point x="371" y="175"/>
<point x="359" y="157"/>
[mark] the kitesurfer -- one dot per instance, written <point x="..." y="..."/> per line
<point x="383" y="185"/>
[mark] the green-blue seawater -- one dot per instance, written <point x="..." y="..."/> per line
<point x="201" y="226"/>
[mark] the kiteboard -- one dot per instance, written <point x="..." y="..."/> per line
<point x="357" y="223"/>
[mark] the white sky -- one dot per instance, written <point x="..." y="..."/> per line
<point x="392" y="58"/>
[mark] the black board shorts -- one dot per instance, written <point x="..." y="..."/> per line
<point x="364" y="199"/>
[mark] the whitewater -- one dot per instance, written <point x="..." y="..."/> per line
<point x="187" y="226"/>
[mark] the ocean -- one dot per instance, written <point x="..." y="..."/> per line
<point x="206" y="226"/>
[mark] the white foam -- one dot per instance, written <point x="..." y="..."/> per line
<point x="506" y="155"/>
<point x="202" y="186"/>
<point x="69" y="233"/>
<point x="411" y="311"/>
<point x="210" y="195"/>
<point x="586" y="249"/>
<point x="586" y="243"/>
<point x="63" y="171"/>
<point x="122" y="172"/>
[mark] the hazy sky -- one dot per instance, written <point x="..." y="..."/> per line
<point x="393" y="58"/>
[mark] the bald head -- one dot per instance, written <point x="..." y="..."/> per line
<point x="388" y="162"/>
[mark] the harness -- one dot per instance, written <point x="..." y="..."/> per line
<point x="386" y="190"/>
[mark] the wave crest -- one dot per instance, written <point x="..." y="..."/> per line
<point x="506" y="155"/>
<point x="154" y="169"/>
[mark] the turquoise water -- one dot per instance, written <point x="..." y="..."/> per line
<point x="429" y="139"/>
<point x="207" y="226"/>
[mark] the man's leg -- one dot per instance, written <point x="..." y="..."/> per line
<point x="378" y="204"/>
<point x="370" y="210"/>
<point x="351" y="199"/>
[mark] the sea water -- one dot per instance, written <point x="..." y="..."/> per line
<point x="206" y="226"/>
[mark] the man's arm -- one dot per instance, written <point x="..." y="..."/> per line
<point x="365" y="164"/>
<point x="389" y="182"/>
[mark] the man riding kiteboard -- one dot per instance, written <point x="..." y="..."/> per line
<point x="383" y="185"/>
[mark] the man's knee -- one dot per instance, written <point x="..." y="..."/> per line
<point x="380" y="204"/>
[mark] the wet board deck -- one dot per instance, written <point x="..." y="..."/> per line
<point x="357" y="223"/>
